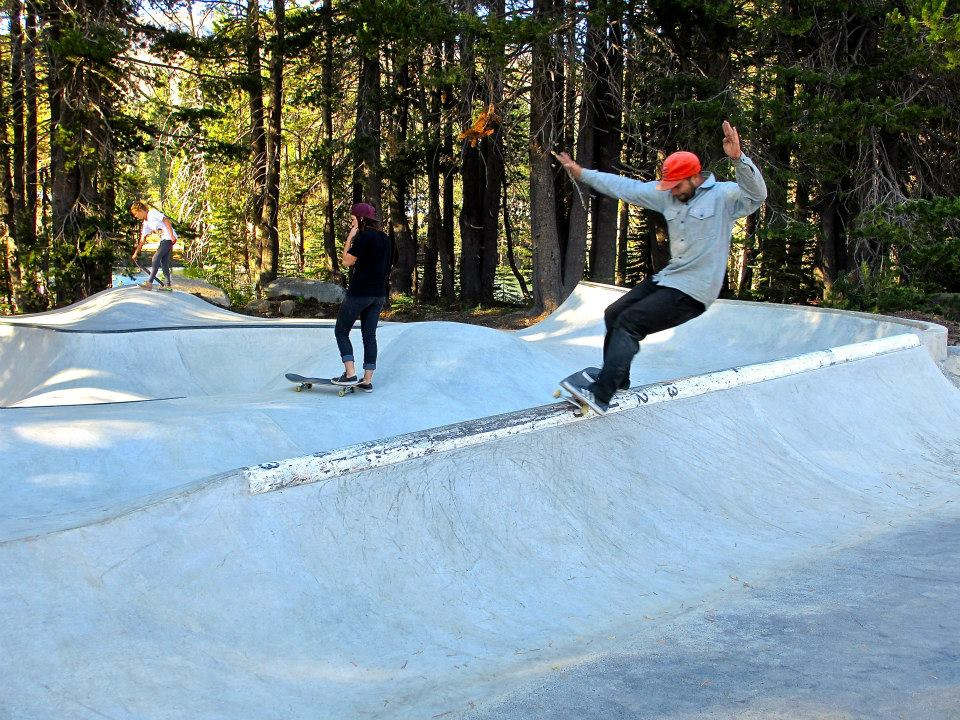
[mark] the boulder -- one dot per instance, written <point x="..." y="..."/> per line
<point x="288" y="307"/>
<point x="298" y="288"/>
<point x="200" y="288"/>
<point x="260" y="307"/>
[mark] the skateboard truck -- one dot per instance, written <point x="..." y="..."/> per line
<point x="579" y="408"/>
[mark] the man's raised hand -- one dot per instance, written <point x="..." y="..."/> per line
<point x="731" y="141"/>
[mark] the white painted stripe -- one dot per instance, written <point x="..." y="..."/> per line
<point x="377" y="453"/>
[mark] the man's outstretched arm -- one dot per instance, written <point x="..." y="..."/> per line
<point x="635" y="192"/>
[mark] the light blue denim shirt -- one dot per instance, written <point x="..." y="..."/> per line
<point x="699" y="229"/>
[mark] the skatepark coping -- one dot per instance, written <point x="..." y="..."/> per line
<point x="267" y="477"/>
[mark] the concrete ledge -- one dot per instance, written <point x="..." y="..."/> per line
<point x="267" y="477"/>
<point x="951" y="365"/>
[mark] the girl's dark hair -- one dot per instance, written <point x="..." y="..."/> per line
<point x="369" y="224"/>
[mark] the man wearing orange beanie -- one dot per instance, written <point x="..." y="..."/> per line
<point x="700" y="212"/>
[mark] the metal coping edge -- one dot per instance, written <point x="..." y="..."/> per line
<point x="271" y="476"/>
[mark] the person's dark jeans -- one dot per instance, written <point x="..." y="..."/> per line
<point x="646" y="309"/>
<point x="368" y="310"/>
<point x="161" y="258"/>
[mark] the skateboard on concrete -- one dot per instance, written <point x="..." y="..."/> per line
<point x="580" y="408"/>
<point x="306" y="383"/>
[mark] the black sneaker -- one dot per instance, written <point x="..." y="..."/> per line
<point x="366" y="387"/>
<point x="586" y="395"/>
<point x="344" y="380"/>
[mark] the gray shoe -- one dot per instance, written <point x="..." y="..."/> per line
<point x="586" y="395"/>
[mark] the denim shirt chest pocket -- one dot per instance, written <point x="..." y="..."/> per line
<point x="702" y="212"/>
<point x="701" y="221"/>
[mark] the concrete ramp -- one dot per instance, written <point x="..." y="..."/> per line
<point x="434" y="586"/>
<point x="145" y="572"/>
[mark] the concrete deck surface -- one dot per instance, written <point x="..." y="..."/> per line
<point x="605" y="564"/>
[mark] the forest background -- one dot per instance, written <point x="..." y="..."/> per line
<point x="254" y="127"/>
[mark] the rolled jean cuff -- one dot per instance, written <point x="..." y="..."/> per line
<point x="369" y="366"/>
<point x="346" y="358"/>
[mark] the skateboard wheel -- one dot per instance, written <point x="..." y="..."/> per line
<point x="557" y="393"/>
<point x="309" y="386"/>
<point x="298" y="388"/>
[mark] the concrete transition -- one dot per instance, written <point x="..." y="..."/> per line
<point x="183" y="535"/>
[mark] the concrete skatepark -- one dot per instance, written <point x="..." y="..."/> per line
<point x="766" y="528"/>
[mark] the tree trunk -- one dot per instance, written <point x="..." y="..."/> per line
<point x="28" y="221"/>
<point x="833" y="227"/>
<point x="404" y="243"/>
<point x="562" y="187"/>
<point x="447" y="252"/>
<point x="329" y="236"/>
<point x="493" y="173"/>
<point x="11" y="264"/>
<point x="547" y="281"/>
<point x="431" y="253"/>
<point x="471" y="178"/>
<point x="609" y="99"/>
<point x="366" y="172"/>
<point x="746" y="260"/>
<point x="258" y="139"/>
<point x="576" y="249"/>
<point x="493" y="181"/>
<point x="270" y="257"/>
<point x="17" y="94"/>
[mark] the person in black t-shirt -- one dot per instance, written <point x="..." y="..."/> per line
<point x="367" y="251"/>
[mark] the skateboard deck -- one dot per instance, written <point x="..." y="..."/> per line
<point x="579" y="407"/>
<point x="306" y="383"/>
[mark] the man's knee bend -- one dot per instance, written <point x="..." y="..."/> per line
<point x="636" y="332"/>
<point x="610" y="316"/>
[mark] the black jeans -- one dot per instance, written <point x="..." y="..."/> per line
<point x="368" y="310"/>
<point x="646" y="309"/>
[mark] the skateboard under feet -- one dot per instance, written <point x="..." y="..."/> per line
<point x="307" y="383"/>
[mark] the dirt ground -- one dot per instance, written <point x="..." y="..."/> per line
<point x="953" y="327"/>
<point x="502" y="317"/>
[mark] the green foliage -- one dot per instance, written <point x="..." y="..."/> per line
<point x="919" y="243"/>
<point x="931" y="19"/>
<point x="222" y="277"/>
<point x="784" y="263"/>
<point x="402" y="304"/>
<point x="846" y="106"/>
<point x="921" y="238"/>
<point x="879" y="292"/>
